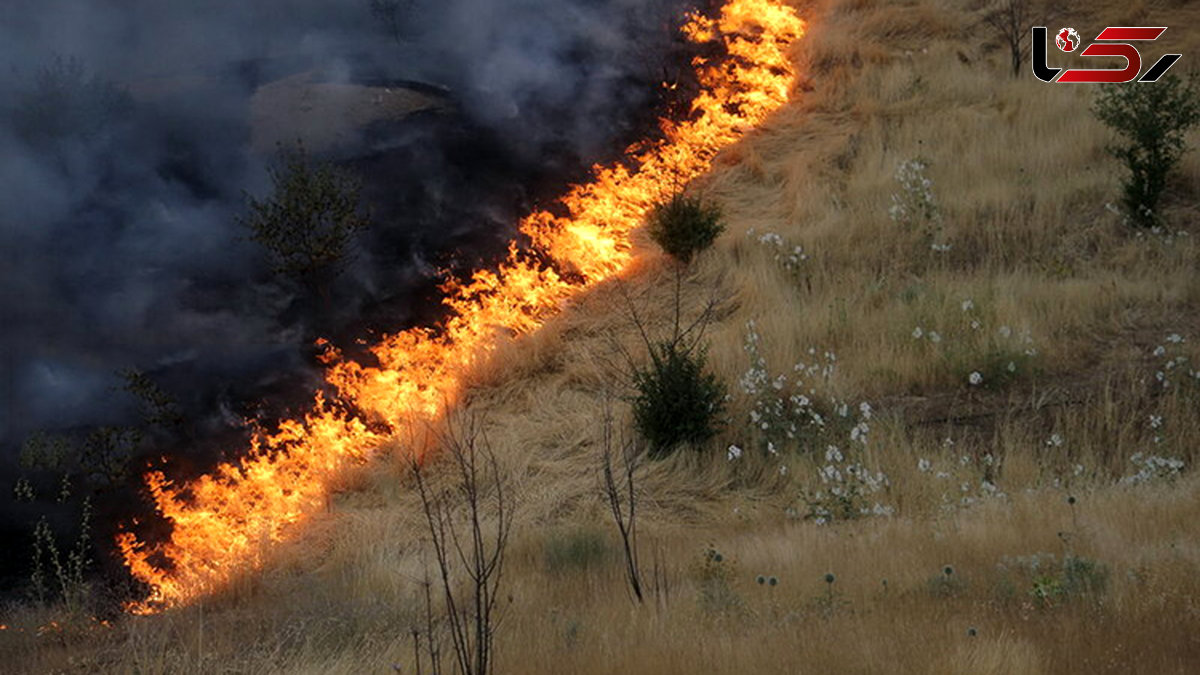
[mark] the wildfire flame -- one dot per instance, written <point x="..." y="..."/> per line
<point x="224" y="522"/>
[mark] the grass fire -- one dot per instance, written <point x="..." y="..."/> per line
<point x="656" y="337"/>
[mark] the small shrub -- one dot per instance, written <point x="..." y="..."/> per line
<point x="581" y="549"/>
<point x="684" y="226"/>
<point x="62" y="573"/>
<point x="714" y="581"/>
<point x="1075" y="578"/>
<point x="946" y="584"/>
<point x="677" y="402"/>
<point x="1084" y="577"/>
<point x="1153" y="119"/>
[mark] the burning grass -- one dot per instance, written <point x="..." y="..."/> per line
<point x="223" y="523"/>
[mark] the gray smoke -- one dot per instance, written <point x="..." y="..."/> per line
<point x="125" y="156"/>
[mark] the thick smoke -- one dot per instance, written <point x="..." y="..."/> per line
<point x="125" y="157"/>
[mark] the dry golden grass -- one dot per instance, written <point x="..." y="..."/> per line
<point x="1022" y="179"/>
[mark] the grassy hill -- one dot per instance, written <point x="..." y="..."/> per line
<point x="1018" y="348"/>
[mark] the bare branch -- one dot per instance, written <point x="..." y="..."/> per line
<point x="464" y="547"/>
<point x="624" y="516"/>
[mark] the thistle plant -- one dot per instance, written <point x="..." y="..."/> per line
<point x="966" y="479"/>
<point x="915" y="206"/>
<point x="1173" y="386"/>
<point x="1152" y="469"/>
<point x="793" y="413"/>
<point x="714" y="577"/>
<point x="828" y="602"/>
<point x="977" y="355"/>
<point x="945" y="584"/>
<point x="788" y="256"/>
<point x="784" y="414"/>
<point x="846" y="490"/>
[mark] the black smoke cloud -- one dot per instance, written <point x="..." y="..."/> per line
<point x="125" y="158"/>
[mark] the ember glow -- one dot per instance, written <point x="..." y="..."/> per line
<point x="224" y="523"/>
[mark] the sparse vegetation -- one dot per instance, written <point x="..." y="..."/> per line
<point x="468" y="522"/>
<point x="65" y="100"/>
<point x="580" y="549"/>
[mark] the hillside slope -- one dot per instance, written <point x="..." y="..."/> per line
<point x="1008" y="350"/>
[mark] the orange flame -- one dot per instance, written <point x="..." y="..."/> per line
<point x="224" y="522"/>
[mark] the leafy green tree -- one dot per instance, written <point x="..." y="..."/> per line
<point x="309" y="221"/>
<point x="1152" y="119"/>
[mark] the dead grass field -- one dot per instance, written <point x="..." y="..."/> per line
<point x="1038" y="274"/>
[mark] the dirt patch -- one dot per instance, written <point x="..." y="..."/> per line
<point x="325" y="115"/>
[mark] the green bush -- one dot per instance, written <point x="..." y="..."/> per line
<point x="581" y="549"/>
<point x="684" y="226"/>
<point x="677" y="402"/>
<point x="1078" y="578"/>
<point x="1152" y="118"/>
<point x="310" y="221"/>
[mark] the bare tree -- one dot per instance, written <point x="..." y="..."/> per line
<point x="622" y="501"/>
<point x="468" y="552"/>
<point x="1013" y="21"/>
<point x="1010" y="19"/>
